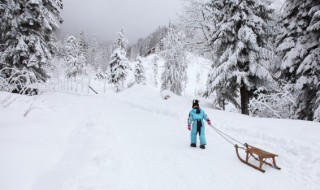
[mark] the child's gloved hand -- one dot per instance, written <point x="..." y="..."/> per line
<point x="189" y="127"/>
<point x="209" y="122"/>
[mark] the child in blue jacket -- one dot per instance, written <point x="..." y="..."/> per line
<point x="196" y="117"/>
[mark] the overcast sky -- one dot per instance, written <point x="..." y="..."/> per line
<point x="104" y="18"/>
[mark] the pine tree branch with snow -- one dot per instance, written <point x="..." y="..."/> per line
<point x="238" y="35"/>
<point x="139" y="72"/>
<point x="174" y="75"/>
<point x="298" y="46"/>
<point x="119" y="64"/>
<point x="27" y="35"/>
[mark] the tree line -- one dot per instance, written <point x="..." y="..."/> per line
<point x="268" y="60"/>
<point x="264" y="62"/>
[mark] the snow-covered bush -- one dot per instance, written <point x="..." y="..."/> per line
<point x="166" y="94"/>
<point x="279" y="103"/>
<point x="19" y="81"/>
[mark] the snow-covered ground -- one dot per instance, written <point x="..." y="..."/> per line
<point x="137" y="140"/>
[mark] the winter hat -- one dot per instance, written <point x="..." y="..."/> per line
<point x="195" y="103"/>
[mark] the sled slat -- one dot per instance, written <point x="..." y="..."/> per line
<point x="260" y="155"/>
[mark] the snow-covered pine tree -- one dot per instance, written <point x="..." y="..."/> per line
<point x="57" y="65"/>
<point x="298" y="46"/>
<point x="100" y="74"/>
<point x="239" y="34"/>
<point x="93" y="53"/>
<point x="27" y="34"/>
<point x="174" y="76"/>
<point x="84" y="46"/>
<point x="105" y="53"/>
<point x="155" y="69"/>
<point x="139" y="72"/>
<point x="121" y="41"/>
<point x="119" y="64"/>
<point x="74" y="58"/>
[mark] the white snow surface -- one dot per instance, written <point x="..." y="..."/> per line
<point x="137" y="140"/>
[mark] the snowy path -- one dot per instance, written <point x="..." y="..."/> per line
<point x="136" y="140"/>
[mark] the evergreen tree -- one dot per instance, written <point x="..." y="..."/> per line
<point x="171" y="79"/>
<point x="84" y="46"/>
<point x="121" y="42"/>
<point x="139" y="72"/>
<point x="57" y="65"/>
<point x="105" y="53"/>
<point x="100" y="74"/>
<point x="298" y="46"/>
<point x="119" y="64"/>
<point x="93" y="53"/>
<point x="155" y="69"/>
<point x="148" y="44"/>
<point x="174" y="76"/>
<point x="74" y="58"/>
<point x="27" y="34"/>
<point x="239" y="36"/>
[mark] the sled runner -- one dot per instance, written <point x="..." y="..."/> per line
<point x="259" y="155"/>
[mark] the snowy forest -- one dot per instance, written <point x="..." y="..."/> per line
<point x="159" y="94"/>
<point x="264" y="62"/>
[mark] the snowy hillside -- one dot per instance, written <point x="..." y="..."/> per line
<point x="99" y="116"/>
<point x="197" y="72"/>
<point x="137" y="140"/>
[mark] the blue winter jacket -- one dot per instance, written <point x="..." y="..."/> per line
<point x="193" y="116"/>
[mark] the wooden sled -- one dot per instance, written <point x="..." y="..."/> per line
<point x="259" y="155"/>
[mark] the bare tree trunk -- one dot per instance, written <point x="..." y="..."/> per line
<point x="82" y="83"/>
<point x="245" y="96"/>
<point x="223" y="104"/>
<point x="88" y="91"/>
<point x="76" y="81"/>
